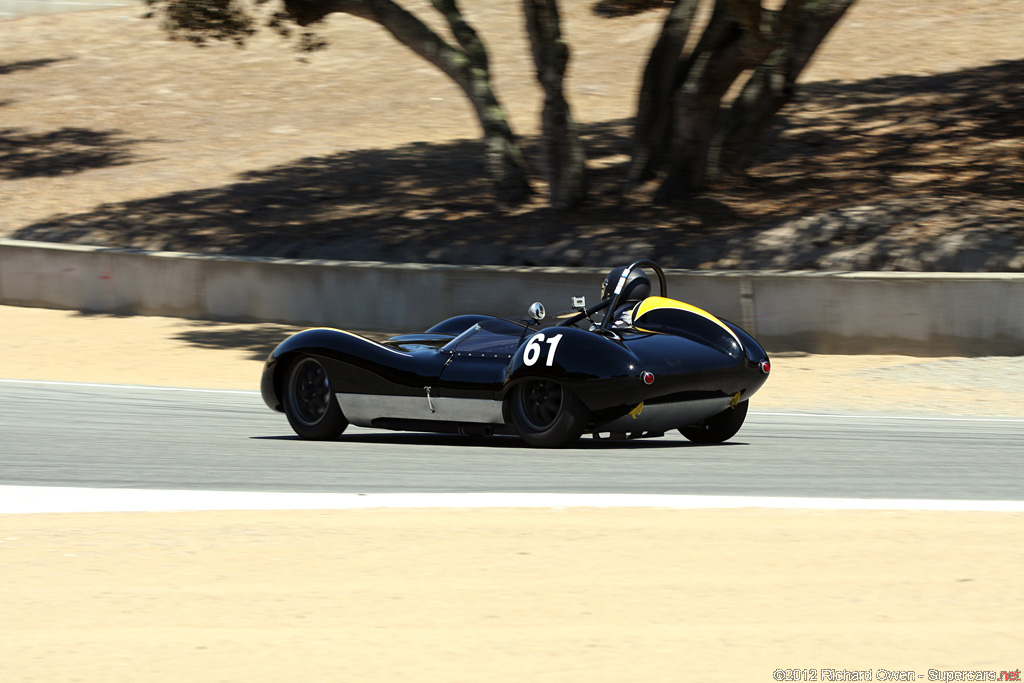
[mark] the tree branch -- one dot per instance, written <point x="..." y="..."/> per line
<point x="464" y="34"/>
<point x="773" y="84"/>
<point x="465" y="65"/>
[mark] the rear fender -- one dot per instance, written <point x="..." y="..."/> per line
<point x="755" y="352"/>
<point x="596" y="367"/>
<point x="667" y="316"/>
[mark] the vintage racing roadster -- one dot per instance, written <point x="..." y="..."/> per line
<point x="648" y="365"/>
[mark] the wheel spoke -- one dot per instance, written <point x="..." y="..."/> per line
<point x="309" y="402"/>
<point x="312" y="392"/>
<point x="549" y="409"/>
<point x="541" y="403"/>
<point x="546" y="414"/>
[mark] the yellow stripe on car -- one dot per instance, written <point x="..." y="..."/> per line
<point x="652" y="303"/>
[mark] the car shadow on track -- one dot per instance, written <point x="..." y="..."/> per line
<point x="505" y="442"/>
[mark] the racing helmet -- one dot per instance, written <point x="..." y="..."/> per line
<point x="637" y="286"/>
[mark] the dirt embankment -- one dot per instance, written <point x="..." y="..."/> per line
<point x="905" y="149"/>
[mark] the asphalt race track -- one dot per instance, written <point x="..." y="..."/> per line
<point x="130" y="437"/>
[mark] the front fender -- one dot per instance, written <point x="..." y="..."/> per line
<point x="599" y="369"/>
<point x="316" y="338"/>
<point x="370" y="367"/>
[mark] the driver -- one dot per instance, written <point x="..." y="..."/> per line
<point x="636" y="289"/>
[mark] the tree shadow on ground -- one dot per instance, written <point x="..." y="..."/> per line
<point x="30" y="64"/>
<point x="257" y="340"/>
<point x="624" y="8"/>
<point x="956" y="135"/>
<point x="25" y="154"/>
<point x="60" y="152"/>
<point x="958" y="132"/>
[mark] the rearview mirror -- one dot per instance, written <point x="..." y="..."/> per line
<point x="536" y="311"/>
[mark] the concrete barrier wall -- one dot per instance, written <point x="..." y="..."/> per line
<point x="10" y="9"/>
<point x="911" y="313"/>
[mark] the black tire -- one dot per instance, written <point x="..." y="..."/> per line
<point x="309" y="401"/>
<point x="718" y="428"/>
<point x="546" y="414"/>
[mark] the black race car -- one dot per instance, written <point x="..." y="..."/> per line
<point x="645" y="365"/>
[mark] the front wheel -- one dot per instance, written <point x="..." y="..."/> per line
<point x="546" y="414"/>
<point x="309" y="401"/>
<point x="718" y="428"/>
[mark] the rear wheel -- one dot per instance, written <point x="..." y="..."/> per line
<point x="718" y="428"/>
<point x="309" y="401"/>
<point x="546" y="414"/>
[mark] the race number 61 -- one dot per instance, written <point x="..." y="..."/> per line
<point x="533" y="349"/>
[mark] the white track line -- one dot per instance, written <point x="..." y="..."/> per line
<point x="44" y="499"/>
<point x="146" y="387"/>
<point x="929" y="418"/>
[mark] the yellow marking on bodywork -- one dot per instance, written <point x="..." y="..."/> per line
<point x="654" y="302"/>
<point x="735" y="400"/>
<point x="635" y="413"/>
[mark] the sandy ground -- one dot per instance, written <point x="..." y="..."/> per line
<point x="498" y="594"/>
<point x="73" y="346"/>
<point x="506" y="595"/>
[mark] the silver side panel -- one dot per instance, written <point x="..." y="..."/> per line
<point x="362" y="409"/>
<point x="665" y="416"/>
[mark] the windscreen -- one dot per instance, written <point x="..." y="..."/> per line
<point x="488" y="338"/>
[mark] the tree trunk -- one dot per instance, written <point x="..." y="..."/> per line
<point x="772" y="86"/>
<point x="729" y="46"/>
<point x="653" y="112"/>
<point x="467" y="65"/>
<point x="566" y="161"/>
